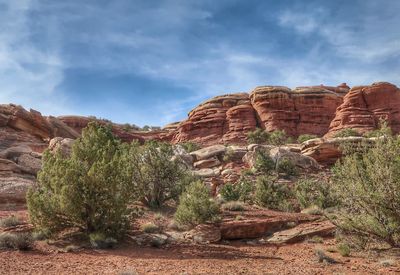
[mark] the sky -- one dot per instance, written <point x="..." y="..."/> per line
<point x="151" y="62"/>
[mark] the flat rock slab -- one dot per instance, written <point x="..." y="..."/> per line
<point x="303" y="231"/>
<point x="208" y="152"/>
<point x="258" y="227"/>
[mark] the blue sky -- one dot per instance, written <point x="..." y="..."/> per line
<point x="150" y="62"/>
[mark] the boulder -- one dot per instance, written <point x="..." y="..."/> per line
<point x="208" y="152"/>
<point x="303" y="231"/>
<point x="30" y="163"/>
<point x="62" y="144"/>
<point x="205" y="173"/>
<point x="302" y="161"/>
<point x="204" y="233"/>
<point x="207" y="163"/>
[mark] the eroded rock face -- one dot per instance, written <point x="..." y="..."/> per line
<point x="364" y="106"/>
<point x="229" y="118"/>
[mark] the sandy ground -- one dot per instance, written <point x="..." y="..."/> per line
<point x="237" y="257"/>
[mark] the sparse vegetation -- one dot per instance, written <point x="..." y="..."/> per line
<point x="20" y="241"/>
<point x="264" y="163"/>
<point x="156" y="178"/>
<point x="287" y="167"/>
<point x="273" y="195"/>
<point x="278" y="137"/>
<point x="229" y="155"/>
<point x="88" y="190"/>
<point x="316" y="239"/>
<point x="367" y="184"/>
<point x="233" y="206"/>
<point x="310" y="192"/>
<point x="305" y="137"/>
<point x="343" y="249"/>
<point x="348" y="132"/>
<point x="196" y="205"/>
<point x="240" y="191"/>
<point x="258" y="136"/>
<point x="149" y="228"/>
<point x="10" y="221"/>
<point x="101" y="241"/>
<point x="190" y="146"/>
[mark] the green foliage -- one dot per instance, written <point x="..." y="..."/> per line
<point x="273" y="195"/>
<point x="229" y="155"/>
<point x="344" y="249"/>
<point x="10" y="221"/>
<point x="240" y="191"/>
<point x="264" y="163"/>
<point x="278" y="137"/>
<point x="233" y="206"/>
<point x="383" y="131"/>
<point x="258" y="136"/>
<point x="156" y="178"/>
<point x="347" y="132"/>
<point x="287" y="167"/>
<point x="149" y="228"/>
<point x="309" y="192"/>
<point x="190" y="146"/>
<point x="230" y="192"/>
<point x="88" y="190"/>
<point x="196" y="206"/>
<point x="367" y="185"/>
<point x="305" y="137"/>
<point x="20" y="241"/>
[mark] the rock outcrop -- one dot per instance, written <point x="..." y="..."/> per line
<point x="228" y="118"/>
<point x="364" y="106"/>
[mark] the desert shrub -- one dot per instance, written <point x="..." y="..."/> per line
<point x="343" y="249"/>
<point x="101" y="241"/>
<point x="229" y="155"/>
<point x="40" y="235"/>
<point x="287" y="167"/>
<point x="149" y="228"/>
<point x="190" y="146"/>
<point x="278" y="137"/>
<point x="233" y="206"/>
<point x="383" y="130"/>
<point x="367" y="185"/>
<point x="316" y="239"/>
<point x="273" y="195"/>
<point x="305" y="137"/>
<point x="20" y="241"/>
<point x="264" y="163"/>
<point x="88" y="190"/>
<point x="230" y="192"/>
<point x="347" y="132"/>
<point x="156" y="178"/>
<point x="10" y="221"/>
<point x="196" y="205"/>
<point x="240" y="191"/>
<point x="309" y="192"/>
<point x="258" y="136"/>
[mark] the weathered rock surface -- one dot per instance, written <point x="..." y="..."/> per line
<point x="303" y="231"/>
<point x="328" y="150"/>
<point x="364" y="106"/>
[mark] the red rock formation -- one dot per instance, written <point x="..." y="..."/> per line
<point x="220" y="119"/>
<point x="306" y="110"/>
<point x="364" y="106"/>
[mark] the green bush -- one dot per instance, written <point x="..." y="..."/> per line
<point x="230" y="192"/>
<point x="229" y="155"/>
<point x="305" y="137"/>
<point x="258" y="136"/>
<point x="88" y="190"/>
<point x="367" y="186"/>
<point x="309" y="192"/>
<point x="278" y="137"/>
<point x="383" y="130"/>
<point x="10" y="221"/>
<point x="264" y="163"/>
<point x="190" y="146"/>
<point x="240" y="191"/>
<point x="344" y="249"/>
<point x="273" y="195"/>
<point x="287" y="167"/>
<point x="155" y="177"/>
<point x="348" y="132"/>
<point x="196" y="206"/>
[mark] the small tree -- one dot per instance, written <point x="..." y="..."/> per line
<point x="156" y="177"/>
<point x="196" y="205"/>
<point x="347" y="132"/>
<point x="367" y="184"/>
<point x="278" y="137"/>
<point x="311" y="192"/>
<point x="87" y="190"/>
<point x="240" y="191"/>
<point x="273" y="195"/>
<point x="258" y="136"/>
<point x="264" y="163"/>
